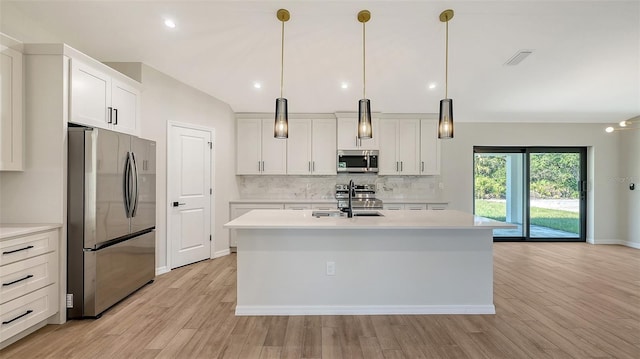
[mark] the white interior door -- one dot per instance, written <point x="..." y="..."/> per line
<point x="189" y="194"/>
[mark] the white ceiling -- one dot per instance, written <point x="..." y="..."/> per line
<point x="585" y="66"/>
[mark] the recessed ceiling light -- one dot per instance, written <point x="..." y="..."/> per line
<point x="623" y="123"/>
<point x="169" y="23"/>
<point x="432" y="85"/>
<point x="257" y="85"/>
<point x="344" y="85"/>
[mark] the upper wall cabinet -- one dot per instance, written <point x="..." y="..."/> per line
<point x="311" y="147"/>
<point x="11" y="131"/>
<point x="258" y="152"/>
<point x="429" y="148"/>
<point x="100" y="100"/>
<point x="399" y="147"/>
<point x="348" y="135"/>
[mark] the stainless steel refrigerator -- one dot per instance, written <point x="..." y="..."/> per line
<point x="111" y="218"/>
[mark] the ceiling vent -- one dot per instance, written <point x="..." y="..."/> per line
<point x="518" y="57"/>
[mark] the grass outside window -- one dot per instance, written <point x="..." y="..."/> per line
<point x="551" y="218"/>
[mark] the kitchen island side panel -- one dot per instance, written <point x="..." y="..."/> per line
<point x="377" y="271"/>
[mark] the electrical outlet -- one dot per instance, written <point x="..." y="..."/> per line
<point x="69" y="300"/>
<point x="331" y="268"/>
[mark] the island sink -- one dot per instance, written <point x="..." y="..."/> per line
<point x="319" y="214"/>
<point x="368" y="214"/>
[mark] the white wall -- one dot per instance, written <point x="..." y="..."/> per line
<point x="630" y="173"/>
<point x="603" y="206"/>
<point x="167" y="99"/>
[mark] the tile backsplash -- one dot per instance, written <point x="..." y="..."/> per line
<point x="323" y="187"/>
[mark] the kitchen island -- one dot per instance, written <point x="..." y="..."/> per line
<point x="403" y="262"/>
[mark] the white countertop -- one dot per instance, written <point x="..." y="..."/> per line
<point x="333" y="200"/>
<point x="292" y="219"/>
<point x="20" y="229"/>
<point x="284" y="200"/>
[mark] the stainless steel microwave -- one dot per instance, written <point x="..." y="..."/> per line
<point x="357" y="161"/>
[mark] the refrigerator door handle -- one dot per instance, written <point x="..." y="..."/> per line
<point x="134" y="194"/>
<point x="126" y="186"/>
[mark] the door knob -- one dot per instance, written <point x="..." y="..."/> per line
<point x="176" y="204"/>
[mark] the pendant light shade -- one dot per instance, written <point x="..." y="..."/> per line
<point x="365" y="129"/>
<point x="364" y="119"/>
<point x="281" y="126"/>
<point x="445" y="122"/>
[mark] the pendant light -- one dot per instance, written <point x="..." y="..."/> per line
<point x="281" y="126"/>
<point x="365" y="130"/>
<point x="445" y="122"/>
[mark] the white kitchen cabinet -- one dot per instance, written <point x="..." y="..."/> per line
<point x="324" y="206"/>
<point x="348" y="135"/>
<point x="11" y="121"/>
<point x="412" y="206"/>
<point x="297" y="206"/>
<point x="238" y="209"/>
<point x="393" y="206"/>
<point x="311" y="147"/>
<point x="399" y="147"/>
<point x="100" y="100"/>
<point x="415" y="206"/>
<point x="437" y="206"/>
<point x="429" y="148"/>
<point x="29" y="274"/>
<point x="258" y="152"/>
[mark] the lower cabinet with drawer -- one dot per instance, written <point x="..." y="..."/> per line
<point x="414" y="206"/>
<point x="29" y="292"/>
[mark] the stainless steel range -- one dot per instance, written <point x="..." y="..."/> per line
<point x="364" y="197"/>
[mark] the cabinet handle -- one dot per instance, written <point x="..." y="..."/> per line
<point x="313" y="166"/>
<point x="422" y="166"/>
<point x="309" y="166"/>
<point x="18" y="317"/>
<point x="262" y="166"/>
<point x="17" y="280"/>
<point x="396" y="166"/>
<point x="110" y="114"/>
<point x="115" y="121"/>
<point x="17" y="250"/>
<point x="401" y="166"/>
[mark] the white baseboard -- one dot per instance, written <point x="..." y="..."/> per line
<point x="162" y="270"/>
<point x="617" y="242"/>
<point x="635" y="245"/>
<point x="222" y="253"/>
<point x="363" y="310"/>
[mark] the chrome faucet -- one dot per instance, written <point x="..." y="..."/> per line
<point x="352" y="192"/>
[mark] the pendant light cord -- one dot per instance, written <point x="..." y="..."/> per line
<point x="282" y="61"/>
<point x="446" y="61"/>
<point x="364" y="66"/>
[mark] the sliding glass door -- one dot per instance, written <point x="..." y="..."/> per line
<point x="539" y="189"/>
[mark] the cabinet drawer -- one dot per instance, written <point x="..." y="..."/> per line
<point x="25" y="276"/>
<point x="16" y="249"/>
<point x="437" y="206"/>
<point x="324" y="207"/>
<point x="415" y="206"/>
<point x="26" y="311"/>
<point x="297" y="206"/>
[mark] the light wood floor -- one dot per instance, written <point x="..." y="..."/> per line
<point x="569" y="300"/>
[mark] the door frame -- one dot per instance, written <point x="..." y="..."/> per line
<point x="527" y="151"/>
<point x="169" y="245"/>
